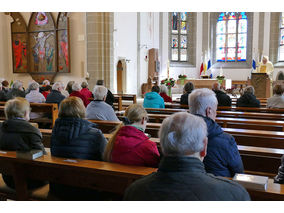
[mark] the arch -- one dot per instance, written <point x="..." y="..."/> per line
<point x="280" y="76"/>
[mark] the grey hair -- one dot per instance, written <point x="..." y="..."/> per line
<point x="99" y="92"/>
<point x="249" y="89"/>
<point x="57" y="85"/>
<point x="46" y="82"/>
<point x="182" y="134"/>
<point x="33" y="86"/>
<point x="17" y="84"/>
<point x="76" y="87"/>
<point x="163" y="89"/>
<point x="200" y="99"/>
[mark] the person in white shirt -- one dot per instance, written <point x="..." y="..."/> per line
<point x="34" y="96"/>
<point x="277" y="100"/>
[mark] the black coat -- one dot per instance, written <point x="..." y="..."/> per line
<point x="223" y="98"/>
<point x="110" y="98"/>
<point x="248" y="100"/>
<point x="54" y="97"/>
<point x="184" y="99"/>
<point x="184" y="178"/>
<point x="16" y="134"/>
<point x="12" y="93"/>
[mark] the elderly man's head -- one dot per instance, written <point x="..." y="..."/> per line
<point x="100" y="93"/>
<point x="17" y="85"/>
<point x="264" y="59"/>
<point x="216" y="86"/>
<point x="249" y="90"/>
<point x="183" y="134"/>
<point x="33" y="86"/>
<point x="76" y="87"/>
<point x="203" y="102"/>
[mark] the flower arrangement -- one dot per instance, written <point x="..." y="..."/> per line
<point x="169" y="82"/>
<point x="182" y="76"/>
<point x="220" y="78"/>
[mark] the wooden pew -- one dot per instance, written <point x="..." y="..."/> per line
<point x="254" y="115"/>
<point x="125" y="97"/>
<point x="104" y="176"/>
<point x="49" y="108"/>
<point x="251" y="109"/>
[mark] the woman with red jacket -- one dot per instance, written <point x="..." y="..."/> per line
<point x="129" y="145"/>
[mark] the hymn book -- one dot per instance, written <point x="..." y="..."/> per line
<point x="252" y="181"/>
<point x="29" y="155"/>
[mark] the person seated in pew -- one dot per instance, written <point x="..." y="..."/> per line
<point x="129" y="145"/>
<point x="279" y="178"/>
<point x="98" y="109"/>
<point x="163" y="94"/>
<point x="248" y="99"/>
<point x="16" y="91"/>
<point x="75" y="137"/>
<point x="109" y="98"/>
<point x="277" y="100"/>
<point x="85" y="91"/>
<point x="69" y="87"/>
<point x="153" y="99"/>
<point x="187" y="89"/>
<point x="76" y="87"/>
<point x="5" y="86"/>
<point x="34" y="96"/>
<point x="223" y="157"/>
<point x="2" y="93"/>
<point x="17" y="134"/>
<point x="223" y="98"/>
<point x="181" y="175"/>
<point x="46" y="91"/>
<point x="55" y="96"/>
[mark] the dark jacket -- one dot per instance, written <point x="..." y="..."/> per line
<point x="223" y="98"/>
<point x="223" y="157"/>
<point x="77" y="138"/>
<point x="110" y="98"/>
<point x="248" y="100"/>
<point x="12" y="93"/>
<point x="184" y="178"/>
<point x="54" y="97"/>
<point x="184" y="99"/>
<point x="20" y="135"/>
<point x="280" y="176"/>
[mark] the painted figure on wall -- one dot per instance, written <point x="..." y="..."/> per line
<point x="64" y="48"/>
<point x="49" y="52"/>
<point x="39" y="50"/>
<point x="20" y="51"/>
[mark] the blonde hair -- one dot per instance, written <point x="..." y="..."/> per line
<point x="17" y="107"/>
<point x="72" y="107"/>
<point x="134" y="113"/>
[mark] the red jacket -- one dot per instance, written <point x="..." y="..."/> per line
<point x="133" y="147"/>
<point x="79" y="95"/>
<point x="166" y="97"/>
<point x="86" y="92"/>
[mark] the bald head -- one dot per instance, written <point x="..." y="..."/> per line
<point x="216" y="86"/>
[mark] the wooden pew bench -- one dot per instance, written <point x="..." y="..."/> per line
<point x="250" y="109"/>
<point x="254" y="115"/>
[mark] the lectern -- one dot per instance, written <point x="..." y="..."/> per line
<point x="261" y="84"/>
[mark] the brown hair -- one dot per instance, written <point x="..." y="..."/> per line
<point x="72" y="107"/>
<point x="278" y="89"/>
<point x="69" y="86"/>
<point x="134" y="113"/>
<point x="17" y="107"/>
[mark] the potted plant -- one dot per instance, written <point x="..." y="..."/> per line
<point x="182" y="78"/>
<point x="169" y="83"/>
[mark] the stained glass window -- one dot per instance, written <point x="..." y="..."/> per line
<point x="179" y="36"/>
<point x="281" y="39"/>
<point x="231" y="37"/>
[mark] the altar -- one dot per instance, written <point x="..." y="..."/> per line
<point x="201" y="83"/>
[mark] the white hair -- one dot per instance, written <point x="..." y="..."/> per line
<point x="46" y="82"/>
<point x="76" y="87"/>
<point x="182" y="134"/>
<point x="17" y="84"/>
<point x="33" y="86"/>
<point x="200" y="99"/>
<point x="249" y="89"/>
<point x="99" y="92"/>
<point x="57" y="85"/>
<point x="163" y="89"/>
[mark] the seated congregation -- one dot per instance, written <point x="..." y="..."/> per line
<point x="195" y="158"/>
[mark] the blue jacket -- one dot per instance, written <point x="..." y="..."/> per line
<point x="153" y="100"/>
<point x="77" y="138"/>
<point x="223" y="157"/>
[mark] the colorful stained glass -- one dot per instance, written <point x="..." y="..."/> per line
<point x="183" y="27"/>
<point x="183" y="42"/>
<point x="282" y="37"/>
<point x="231" y="55"/>
<point x="174" y="54"/>
<point x="242" y="26"/>
<point x="232" y="26"/>
<point x="183" y="54"/>
<point x="222" y="17"/>
<point x="242" y="54"/>
<point x="175" y="41"/>
<point x="231" y="40"/>
<point x="243" y="15"/>
<point x="221" y="27"/>
<point x="220" y="55"/>
<point x="232" y="16"/>
<point x="175" y="22"/>
<point x="281" y="53"/>
<point x="221" y="39"/>
<point x="183" y="16"/>
<point x="242" y="40"/>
